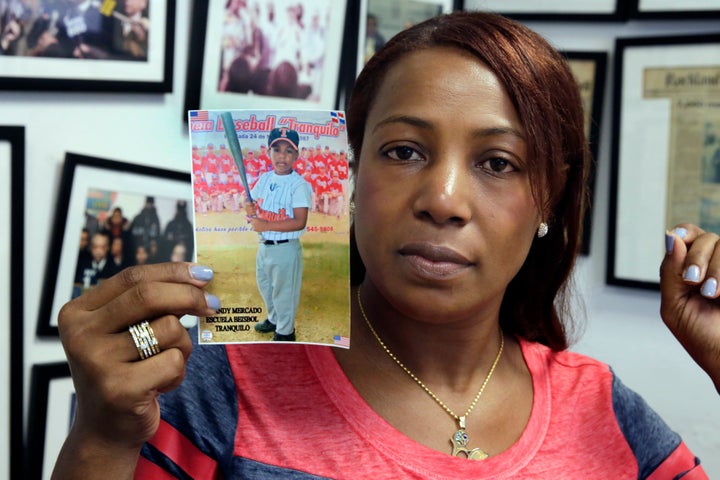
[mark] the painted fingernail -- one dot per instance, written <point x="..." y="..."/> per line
<point x="680" y="232"/>
<point x="212" y="301"/>
<point x="692" y="273"/>
<point x="201" y="273"/>
<point x="669" y="242"/>
<point x="709" y="287"/>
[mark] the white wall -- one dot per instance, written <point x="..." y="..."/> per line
<point x="623" y="326"/>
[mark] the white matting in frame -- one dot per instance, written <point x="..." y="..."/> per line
<point x="95" y="174"/>
<point x="642" y="157"/>
<point x="53" y="404"/>
<point x="546" y="6"/>
<point x="323" y="80"/>
<point x="5" y="282"/>
<point x="24" y="72"/>
<point x="675" y="5"/>
<point x="12" y="159"/>
<point x="392" y="16"/>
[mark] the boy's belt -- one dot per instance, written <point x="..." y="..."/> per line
<point x="274" y="242"/>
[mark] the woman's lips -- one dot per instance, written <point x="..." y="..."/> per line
<point x="434" y="261"/>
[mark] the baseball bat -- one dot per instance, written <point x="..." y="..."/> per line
<point x="234" y="143"/>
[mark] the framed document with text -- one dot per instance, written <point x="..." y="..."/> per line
<point x="589" y="69"/>
<point x="665" y="149"/>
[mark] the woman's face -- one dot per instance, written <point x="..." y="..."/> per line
<point x="444" y="215"/>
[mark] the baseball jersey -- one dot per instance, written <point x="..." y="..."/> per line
<point x="277" y="196"/>
<point x="269" y="411"/>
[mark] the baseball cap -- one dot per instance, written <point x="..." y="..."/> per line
<point x="284" y="133"/>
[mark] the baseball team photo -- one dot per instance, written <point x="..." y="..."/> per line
<point x="271" y="216"/>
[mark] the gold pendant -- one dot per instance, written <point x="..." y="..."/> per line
<point x="459" y="442"/>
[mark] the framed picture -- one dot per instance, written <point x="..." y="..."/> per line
<point x="590" y="69"/>
<point x="12" y="178"/>
<point x="111" y="215"/>
<point x="671" y="9"/>
<point x="381" y="19"/>
<point x="267" y="54"/>
<point x="585" y="10"/>
<point x="665" y="151"/>
<point x="105" y="46"/>
<point x="52" y="411"/>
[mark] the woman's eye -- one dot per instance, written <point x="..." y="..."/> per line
<point x="498" y="165"/>
<point x="401" y="153"/>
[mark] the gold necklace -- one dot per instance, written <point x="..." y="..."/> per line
<point x="460" y="439"/>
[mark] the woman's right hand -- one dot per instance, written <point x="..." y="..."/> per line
<point x="117" y="408"/>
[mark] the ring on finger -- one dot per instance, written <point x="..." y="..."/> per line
<point x="145" y="341"/>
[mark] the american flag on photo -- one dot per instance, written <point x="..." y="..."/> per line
<point x="338" y="117"/>
<point x="341" y="341"/>
<point x="198" y="115"/>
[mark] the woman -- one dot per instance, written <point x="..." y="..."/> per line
<point x="467" y="132"/>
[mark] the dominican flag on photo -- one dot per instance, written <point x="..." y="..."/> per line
<point x="338" y="117"/>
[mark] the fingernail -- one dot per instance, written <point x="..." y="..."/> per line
<point x="669" y="242"/>
<point x="709" y="287"/>
<point x="680" y="232"/>
<point x="212" y="301"/>
<point x="201" y="273"/>
<point x="692" y="273"/>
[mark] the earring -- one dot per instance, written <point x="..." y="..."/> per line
<point x="542" y="230"/>
<point x="352" y="207"/>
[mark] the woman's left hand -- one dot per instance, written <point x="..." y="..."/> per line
<point x="689" y="285"/>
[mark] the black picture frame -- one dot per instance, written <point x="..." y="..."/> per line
<point x="209" y="81"/>
<point x="554" y="10"/>
<point x="95" y="184"/>
<point x="12" y="184"/>
<point x="671" y="10"/>
<point x="590" y="69"/>
<point x="52" y="408"/>
<point x="392" y="15"/>
<point x="149" y="69"/>
<point x="659" y="150"/>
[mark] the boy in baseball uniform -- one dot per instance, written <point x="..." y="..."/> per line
<point x="279" y="212"/>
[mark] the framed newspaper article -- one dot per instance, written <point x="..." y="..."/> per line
<point x="111" y="215"/>
<point x="265" y="54"/>
<point x="665" y="151"/>
<point x="589" y="69"/>
<point x="12" y="167"/>
<point x="102" y="46"/>
<point x="672" y="9"/>
<point x="381" y="19"/>
<point x="586" y="10"/>
<point x="52" y="410"/>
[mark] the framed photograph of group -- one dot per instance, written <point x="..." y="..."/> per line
<point x="12" y="174"/>
<point x="666" y="149"/>
<point x="672" y="9"/>
<point x="111" y="215"/>
<point x="589" y="68"/>
<point x="105" y="46"/>
<point x="282" y="54"/>
<point x="381" y="19"/>
<point x="562" y="10"/>
<point x="52" y="411"/>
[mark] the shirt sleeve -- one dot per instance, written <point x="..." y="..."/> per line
<point x="196" y="435"/>
<point x="660" y="452"/>
<point x="302" y="196"/>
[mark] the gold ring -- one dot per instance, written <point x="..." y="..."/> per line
<point x="145" y="341"/>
